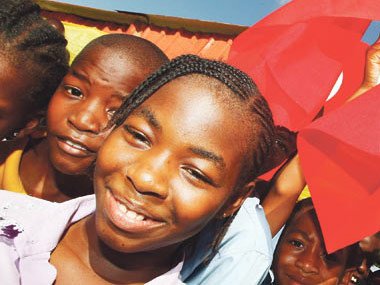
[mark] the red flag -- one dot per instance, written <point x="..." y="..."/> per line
<point x="295" y="57"/>
<point x="340" y="157"/>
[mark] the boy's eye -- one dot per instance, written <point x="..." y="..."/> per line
<point x="296" y="243"/>
<point x="74" y="91"/>
<point x="198" y="175"/>
<point x="137" y="136"/>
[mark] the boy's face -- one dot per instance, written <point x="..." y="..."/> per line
<point x="301" y="257"/>
<point x="169" y="168"/>
<point x="80" y="109"/>
<point x="13" y="109"/>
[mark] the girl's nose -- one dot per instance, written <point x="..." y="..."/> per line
<point x="148" y="176"/>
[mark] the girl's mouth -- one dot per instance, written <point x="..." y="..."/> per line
<point x="127" y="219"/>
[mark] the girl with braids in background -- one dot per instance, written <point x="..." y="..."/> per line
<point x="157" y="183"/>
<point x="33" y="61"/>
<point x="57" y="167"/>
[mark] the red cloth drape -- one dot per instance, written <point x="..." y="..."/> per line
<point x="295" y="56"/>
<point x="340" y="157"/>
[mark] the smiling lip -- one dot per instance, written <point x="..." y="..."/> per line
<point x="299" y="280"/>
<point x="126" y="219"/>
<point x="73" y="147"/>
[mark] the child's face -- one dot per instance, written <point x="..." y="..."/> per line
<point x="301" y="258"/>
<point x="169" y="168"/>
<point x="13" y="109"/>
<point x="84" y="102"/>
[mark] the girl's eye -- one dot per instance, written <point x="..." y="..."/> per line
<point x="296" y="243"/>
<point x="137" y="136"/>
<point x="76" y="92"/>
<point x="198" y="175"/>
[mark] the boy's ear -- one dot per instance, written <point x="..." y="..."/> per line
<point x="34" y="127"/>
<point x="239" y="199"/>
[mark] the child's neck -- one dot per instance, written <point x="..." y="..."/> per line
<point x="92" y="255"/>
<point x="41" y="180"/>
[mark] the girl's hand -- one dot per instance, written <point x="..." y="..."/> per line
<point x="372" y="70"/>
<point x="287" y="185"/>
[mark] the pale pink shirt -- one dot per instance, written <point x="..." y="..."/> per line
<point x="30" y="229"/>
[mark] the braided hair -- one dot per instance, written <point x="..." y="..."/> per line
<point x="237" y="81"/>
<point x="35" y="48"/>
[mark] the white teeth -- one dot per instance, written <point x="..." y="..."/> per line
<point x="139" y="218"/>
<point x="70" y="143"/>
<point x="130" y="214"/>
<point x="122" y="208"/>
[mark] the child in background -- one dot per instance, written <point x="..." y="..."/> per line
<point x="156" y="183"/>
<point x="33" y="61"/>
<point x="301" y="257"/>
<point x="56" y="168"/>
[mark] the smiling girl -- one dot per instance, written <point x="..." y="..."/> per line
<point x="179" y="160"/>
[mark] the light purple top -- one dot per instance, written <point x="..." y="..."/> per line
<point x="30" y="229"/>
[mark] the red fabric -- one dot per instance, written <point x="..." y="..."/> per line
<point x="296" y="57"/>
<point x="340" y="157"/>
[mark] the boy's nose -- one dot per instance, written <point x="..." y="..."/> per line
<point x="87" y="120"/>
<point x="308" y="263"/>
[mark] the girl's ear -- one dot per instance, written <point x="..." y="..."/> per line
<point x="238" y="199"/>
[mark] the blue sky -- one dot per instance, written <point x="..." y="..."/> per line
<point x="241" y="12"/>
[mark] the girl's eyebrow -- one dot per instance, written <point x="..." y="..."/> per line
<point x="216" y="159"/>
<point x="304" y="234"/>
<point x="150" y="117"/>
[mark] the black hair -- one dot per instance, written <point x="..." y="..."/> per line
<point x="33" y="47"/>
<point x="237" y="81"/>
<point x="141" y="51"/>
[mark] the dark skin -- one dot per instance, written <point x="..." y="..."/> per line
<point x="153" y="166"/>
<point x="301" y="257"/>
<point x="367" y="253"/>
<point x="12" y="103"/>
<point x="57" y="168"/>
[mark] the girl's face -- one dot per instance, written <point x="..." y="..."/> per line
<point x="301" y="257"/>
<point x="13" y="109"/>
<point x="169" y="168"/>
<point x="84" y="102"/>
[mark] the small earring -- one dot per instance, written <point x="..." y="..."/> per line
<point x="42" y="122"/>
<point x="225" y="215"/>
<point x="11" y="137"/>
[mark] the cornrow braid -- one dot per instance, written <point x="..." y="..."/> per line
<point x="34" y="47"/>
<point x="237" y="81"/>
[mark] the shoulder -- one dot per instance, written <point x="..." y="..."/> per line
<point x="29" y="221"/>
<point x="30" y="229"/>
<point x="249" y="231"/>
<point x="244" y="255"/>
